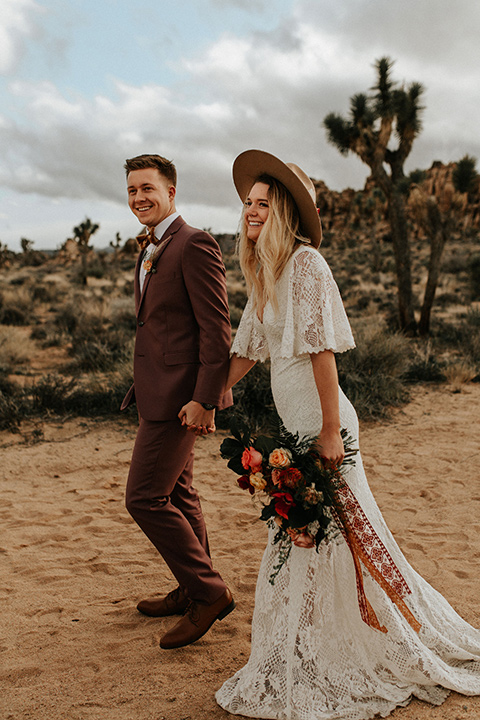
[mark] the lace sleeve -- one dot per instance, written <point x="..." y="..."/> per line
<point x="250" y="340"/>
<point x="316" y="319"/>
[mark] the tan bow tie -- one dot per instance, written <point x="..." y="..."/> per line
<point x="146" y="239"/>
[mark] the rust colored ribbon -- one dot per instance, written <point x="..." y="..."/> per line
<point x="367" y="548"/>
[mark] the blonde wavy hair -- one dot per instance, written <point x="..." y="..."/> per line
<point x="262" y="262"/>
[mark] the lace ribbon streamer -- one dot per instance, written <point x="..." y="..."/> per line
<point x="366" y="547"/>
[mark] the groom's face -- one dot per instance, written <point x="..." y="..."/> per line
<point x="151" y="197"/>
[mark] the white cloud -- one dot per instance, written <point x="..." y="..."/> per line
<point x="17" y="26"/>
<point x="268" y="89"/>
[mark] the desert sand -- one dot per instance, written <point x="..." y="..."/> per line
<point x="74" y="565"/>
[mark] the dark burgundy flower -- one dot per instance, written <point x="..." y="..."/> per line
<point x="245" y="484"/>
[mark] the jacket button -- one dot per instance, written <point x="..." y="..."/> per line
<point x="140" y="322"/>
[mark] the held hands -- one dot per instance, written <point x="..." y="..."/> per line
<point x="197" y="419"/>
<point x="330" y="446"/>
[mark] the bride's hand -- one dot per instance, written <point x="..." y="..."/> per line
<point x="330" y="446"/>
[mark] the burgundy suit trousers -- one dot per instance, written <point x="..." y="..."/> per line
<point x="161" y="499"/>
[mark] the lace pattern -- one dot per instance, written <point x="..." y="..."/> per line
<point x="250" y="338"/>
<point x="315" y="318"/>
<point x="312" y="655"/>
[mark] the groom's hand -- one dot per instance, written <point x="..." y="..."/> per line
<point x="197" y="419"/>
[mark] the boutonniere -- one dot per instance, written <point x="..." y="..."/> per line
<point x="149" y="264"/>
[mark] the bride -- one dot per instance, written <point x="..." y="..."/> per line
<point x="317" y="652"/>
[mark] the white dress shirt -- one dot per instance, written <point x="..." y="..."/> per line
<point x="150" y="249"/>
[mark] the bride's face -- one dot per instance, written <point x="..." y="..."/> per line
<point x="256" y="210"/>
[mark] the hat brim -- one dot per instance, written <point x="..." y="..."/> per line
<point x="249" y="165"/>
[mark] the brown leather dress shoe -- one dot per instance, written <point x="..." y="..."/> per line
<point x="196" y="621"/>
<point x="175" y="603"/>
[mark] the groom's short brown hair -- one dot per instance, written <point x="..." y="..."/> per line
<point x="142" y="162"/>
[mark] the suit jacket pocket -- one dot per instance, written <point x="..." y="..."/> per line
<point x="181" y="358"/>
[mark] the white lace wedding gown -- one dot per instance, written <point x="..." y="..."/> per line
<point x="312" y="655"/>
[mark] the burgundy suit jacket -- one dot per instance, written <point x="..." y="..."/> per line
<point x="182" y="341"/>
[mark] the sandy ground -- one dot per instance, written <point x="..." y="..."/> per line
<point x="73" y="564"/>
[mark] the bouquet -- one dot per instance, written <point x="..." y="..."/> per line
<point x="309" y="501"/>
<point x="295" y="486"/>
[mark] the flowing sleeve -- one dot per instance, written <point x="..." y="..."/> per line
<point x="250" y="340"/>
<point x="316" y="319"/>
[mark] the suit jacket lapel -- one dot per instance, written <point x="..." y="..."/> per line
<point x="165" y="240"/>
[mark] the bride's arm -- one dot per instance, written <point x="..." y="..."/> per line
<point x="326" y="379"/>
<point x="239" y="366"/>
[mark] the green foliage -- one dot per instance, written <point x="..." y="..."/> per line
<point x="58" y="396"/>
<point x="253" y="401"/>
<point x="363" y="132"/>
<point x="425" y="367"/>
<point x="465" y="176"/>
<point x="474" y="274"/>
<point x="371" y="374"/>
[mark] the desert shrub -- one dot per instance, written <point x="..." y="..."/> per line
<point x="455" y="264"/>
<point x="13" y="404"/>
<point x="122" y="314"/>
<point x="48" y="292"/>
<point x="235" y="316"/>
<point x="462" y="337"/>
<point x="238" y="297"/>
<point x="50" y="394"/>
<point x="101" y="334"/>
<point x="15" y="348"/>
<point x="474" y="275"/>
<point x="101" y="354"/>
<point x="425" y="366"/>
<point x="128" y="288"/>
<point x="446" y="298"/>
<point x="67" y="317"/>
<point x="459" y="373"/>
<point x="17" y="307"/>
<point x="98" y="396"/>
<point x="253" y="400"/>
<point x="371" y="374"/>
<point x="231" y="262"/>
<point x="11" y="412"/>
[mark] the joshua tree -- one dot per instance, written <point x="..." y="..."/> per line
<point x="368" y="131"/>
<point x="26" y="245"/>
<point x="82" y="233"/>
<point x="465" y="175"/>
<point x="437" y="215"/>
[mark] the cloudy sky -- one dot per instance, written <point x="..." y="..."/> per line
<point x="86" y="83"/>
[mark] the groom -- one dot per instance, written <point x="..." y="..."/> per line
<point x="180" y="368"/>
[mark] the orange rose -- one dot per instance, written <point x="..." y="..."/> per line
<point x="280" y="458"/>
<point x="147" y="265"/>
<point x="252" y="460"/>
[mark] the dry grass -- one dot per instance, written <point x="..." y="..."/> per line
<point x="459" y="374"/>
<point x="16" y="348"/>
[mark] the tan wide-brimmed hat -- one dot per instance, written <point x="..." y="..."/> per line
<point x="249" y="165"/>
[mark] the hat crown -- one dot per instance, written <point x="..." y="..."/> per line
<point x="305" y="180"/>
<point x="252" y="164"/>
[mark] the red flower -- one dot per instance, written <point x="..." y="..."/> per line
<point x="245" y="484"/>
<point x="252" y="460"/>
<point x="283" y="504"/>
<point x="290" y="478"/>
